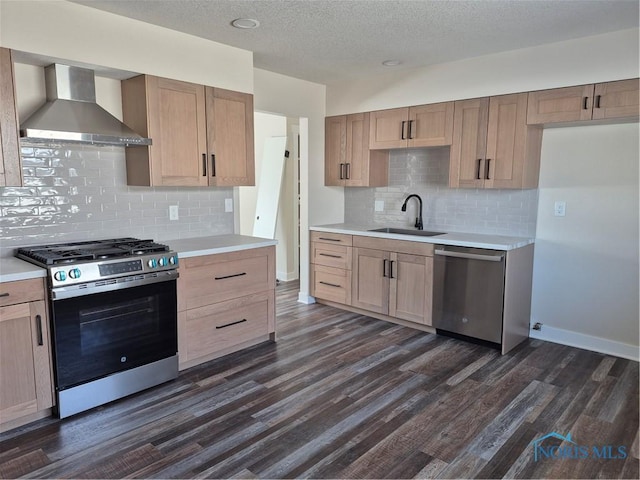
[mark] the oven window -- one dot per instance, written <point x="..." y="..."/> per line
<point x="104" y="333"/>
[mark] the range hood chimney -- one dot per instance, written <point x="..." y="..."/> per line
<point x="71" y="114"/>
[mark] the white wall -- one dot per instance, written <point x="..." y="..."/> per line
<point x="74" y="32"/>
<point x="318" y="204"/>
<point x="600" y="58"/>
<point x="586" y="264"/>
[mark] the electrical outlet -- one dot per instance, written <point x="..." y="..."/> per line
<point x="173" y="212"/>
<point x="379" y="205"/>
<point x="560" y="208"/>
<point x="228" y="204"/>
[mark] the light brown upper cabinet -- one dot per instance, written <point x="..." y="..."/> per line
<point x="201" y="135"/>
<point x="493" y="147"/>
<point x="419" y="126"/>
<point x="10" y="174"/>
<point x="601" y="101"/>
<point x="348" y="160"/>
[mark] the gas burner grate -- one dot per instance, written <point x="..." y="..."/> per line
<point x="75" y="252"/>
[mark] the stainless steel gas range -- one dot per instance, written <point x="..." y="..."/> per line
<point x="113" y="312"/>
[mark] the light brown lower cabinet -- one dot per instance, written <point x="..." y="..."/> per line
<point x="388" y="281"/>
<point x="26" y="387"/>
<point x="331" y="267"/>
<point x="391" y="278"/>
<point x="226" y="302"/>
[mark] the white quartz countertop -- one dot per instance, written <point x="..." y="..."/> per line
<point x="195" y="247"/>
<point x="13" y="269"/>
<point x="477" y="240"/>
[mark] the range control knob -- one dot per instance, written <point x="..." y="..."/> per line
<point x="173" y="260"/>
<point x="153" y="263"/>
<point x="163" y="261"/>
<point x="60" y="276"/>
<point x="74" y="273"/>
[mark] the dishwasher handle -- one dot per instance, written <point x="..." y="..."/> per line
<point x="472" y="256"/>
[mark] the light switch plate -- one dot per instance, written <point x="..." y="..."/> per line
<point x="173" y="212"/>
<point x="228" y="204"/>
<point x="560" y="208"/>
<point x="379" y="205"/>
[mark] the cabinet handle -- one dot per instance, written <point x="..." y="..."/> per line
<point x="342" y="171"/>
<point x="402" y="137"/>
<point x="391" y="269"/>
<point x="213" y="164"/>
<point x="478" y="171"/>
<point x="348" y="168"/>
<point x="585" y="101"/>
<point x="487" y="172"/>
<point x="597" y="102"/>
<point x="329" y="239"/>
<point x="329" y="255"/>
<point x="329" y="284"/>
<point x="204" y="164"/>
<point x="39" y="330"/>
<point x="6" y="294"/>
<point x="230" y="276"/>
<point x="384" y="267"/>
<point x="232" y="323"/>
<point x="410" y="133"/>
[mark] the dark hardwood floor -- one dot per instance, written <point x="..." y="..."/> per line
<point x="341" y="395"/>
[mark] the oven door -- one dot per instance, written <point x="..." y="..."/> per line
<point x="98" y="334"/>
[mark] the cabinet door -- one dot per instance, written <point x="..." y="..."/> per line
<point x="388" y="129"/>
<point x="357" y="151"/>
<point x="10" y="174"/>
<point x="410" y="292"/>
<point x="25" y="369"/>
<point x="506" y="141"/>
<point x="335" y="150"/>
<point x="431" y="125"/>
<point x="568" y="104"/>
<point x="370" y="281"/>
<point x="468" y="149"/>
<point x="616" y="99"/>
<point x="177" y="126"/>
<point x="230" y="138"/>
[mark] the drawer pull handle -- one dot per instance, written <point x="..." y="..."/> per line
<point x="39" y="330"/>
<point x="6" y="294"/>
<point x="231" y="324"/>
<point x="231" y="276"/>
<point x="329" y="255"/>
<point x="329" y="284"/>
<point x="330" y="239"/>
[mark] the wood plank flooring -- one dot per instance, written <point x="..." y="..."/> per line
<point x="341" y="395"/>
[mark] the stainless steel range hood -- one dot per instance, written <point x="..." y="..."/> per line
<point x="71" y="113"/>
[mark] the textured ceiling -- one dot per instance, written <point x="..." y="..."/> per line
<point x="327" y="41"/>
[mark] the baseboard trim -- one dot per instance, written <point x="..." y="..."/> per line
<point x="587" y="342"/>
<point x="286" y="276"/>
<point x="306" y="298"/>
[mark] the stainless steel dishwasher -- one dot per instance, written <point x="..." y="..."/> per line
<point x="468" y="294"/>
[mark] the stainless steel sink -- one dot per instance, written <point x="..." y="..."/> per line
<point x="405" y="231"/>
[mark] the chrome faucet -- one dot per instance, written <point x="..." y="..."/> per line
<point x="418" y="224"/>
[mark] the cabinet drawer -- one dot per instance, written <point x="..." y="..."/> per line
<point x="21" y="291"/>
<point x="215" y="278"/>
<point x="215" y="328"/>
<point x="332" y="284"/>
<point x="337" y="256"/>
<point x="331" y="238"/>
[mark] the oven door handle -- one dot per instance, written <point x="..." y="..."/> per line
<point x="80" y="290"/>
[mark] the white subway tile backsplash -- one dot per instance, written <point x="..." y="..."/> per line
<point x="80" y="193"/>
<point x="426" y="172"/>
